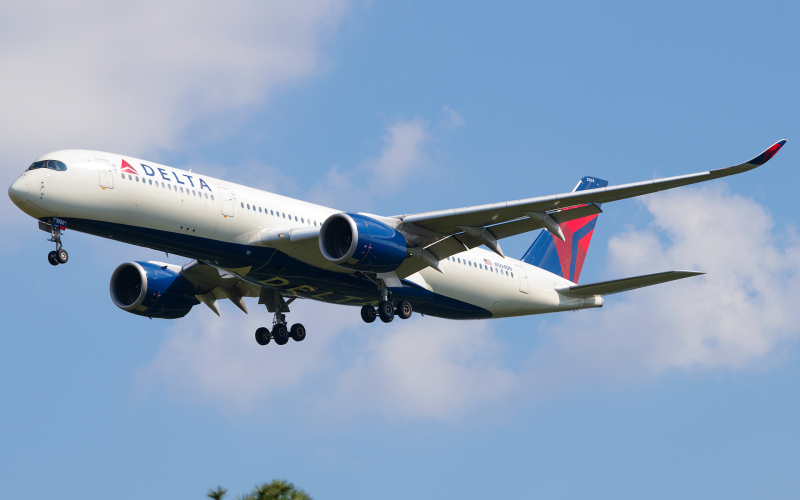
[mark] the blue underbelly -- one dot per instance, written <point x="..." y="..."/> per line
<point x="273" y="269"/>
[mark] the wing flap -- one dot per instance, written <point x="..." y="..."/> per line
<point x="623" y="285"/>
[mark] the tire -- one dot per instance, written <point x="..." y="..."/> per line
<point x="280" y="334"/>
<point x="298" y="332"/>
<point x="386" y="311"/>
<point x="51" y="258"/>
<point x="62" y="256"/>
<point x="262" y="336"/>
<point x="404" y="310"/>
<point x="368" y="314"/>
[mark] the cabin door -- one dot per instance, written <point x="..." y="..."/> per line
<point x="523" y="279"/>
<point x="106" y="174"/>
<point x="227" y="202"/>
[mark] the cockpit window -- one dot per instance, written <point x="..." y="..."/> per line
<point x="51" y="164"/>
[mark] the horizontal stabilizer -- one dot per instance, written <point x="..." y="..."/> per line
<point x="623" y="285"/>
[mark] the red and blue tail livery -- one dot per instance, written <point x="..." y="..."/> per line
<point x="565" y="258"/>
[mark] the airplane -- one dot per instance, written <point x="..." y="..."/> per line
<point x="244" y="242"/>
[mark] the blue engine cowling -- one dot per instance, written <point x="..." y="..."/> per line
<point x="356" y="241"/>
<point x="151" y="290"/>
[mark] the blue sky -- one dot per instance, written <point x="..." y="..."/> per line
<point x="684" y="390"/>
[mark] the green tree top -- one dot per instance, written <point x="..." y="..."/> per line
<point x="276" y="490"/>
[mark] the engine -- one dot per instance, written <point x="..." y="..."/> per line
<point x="359" y="242"/>
<point x="151" y="290"/>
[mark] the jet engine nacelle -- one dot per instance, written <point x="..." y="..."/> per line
<point x="150" y="290"/>
<point x="359" y="242"/>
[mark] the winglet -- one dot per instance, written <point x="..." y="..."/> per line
<point x="769" y="153"/>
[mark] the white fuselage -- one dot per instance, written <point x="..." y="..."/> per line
<point x="181" y="204"/>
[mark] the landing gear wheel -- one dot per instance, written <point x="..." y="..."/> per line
<point x="298" y="332"/>
<point x="280" y="334"/>
<point x="262" y="336"/>
<point x="52" y="259"/>
<point x="386" y="311"/>
<point x="368" y="314"/>
<point x="62" y="256"/>
<point x="404" y="310"/>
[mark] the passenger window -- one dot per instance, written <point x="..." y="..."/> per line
<point x="129" y="177"/>
<point x="181" y="190"/>
<point x="302" y="220"/>
<point x="169" y="186"/>
<point x="272" y="212"/>
<point x="295" y="218"/>
<point x="242" y="204"/>
<point x="151" y="181"/>
<point x="248" y="206"/>
<point x="193" y="193"/>
<point x="284" y="216"/>
<point x="123" y="176"/>
<point x="212" y="197"/>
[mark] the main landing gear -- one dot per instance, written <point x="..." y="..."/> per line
<point x="280" y="333"/>
<point x="386" y="311"/>
<point x="59" y="255"/>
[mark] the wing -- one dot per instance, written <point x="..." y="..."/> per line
<point x="444" y="233"/>
<point x="448" y="221"/>
<point x="623" y="285"/>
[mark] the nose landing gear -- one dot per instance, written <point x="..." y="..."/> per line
<point x="59" y="255"/>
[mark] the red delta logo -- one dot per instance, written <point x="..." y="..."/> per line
<point x="128" y="169"/>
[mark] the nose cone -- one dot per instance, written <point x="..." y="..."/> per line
<point x="18" y="192"/>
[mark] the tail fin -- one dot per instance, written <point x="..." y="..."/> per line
<point x="565" y="258"/>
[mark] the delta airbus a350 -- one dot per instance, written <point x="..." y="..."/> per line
<point x="244" y="242"/>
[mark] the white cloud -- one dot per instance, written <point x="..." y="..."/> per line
<point x="736" y="316"/>
<point x="426" y="368"/>
<point x="131" y="77"/>
<point x="422" y="367"/>
<point x="401" y="158"/>
<point x="209" y="360"/>
<point x="452" y="118"/>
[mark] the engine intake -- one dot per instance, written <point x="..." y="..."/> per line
<point x="148" y="289"/>
<point x="356" y="241"/>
